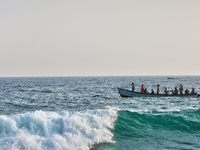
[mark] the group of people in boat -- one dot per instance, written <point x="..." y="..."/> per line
<point x="176" y="91"/>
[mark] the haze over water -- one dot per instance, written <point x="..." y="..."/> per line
<point x="99" y="38"/>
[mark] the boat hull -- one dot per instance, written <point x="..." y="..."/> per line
<point x="128" y="93"/>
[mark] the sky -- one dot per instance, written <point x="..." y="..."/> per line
<point x="99" y="37"/>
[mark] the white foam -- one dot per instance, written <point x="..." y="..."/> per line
<point x="50" y="130"/>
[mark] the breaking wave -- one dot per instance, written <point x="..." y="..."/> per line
<point x="51" y="130"/>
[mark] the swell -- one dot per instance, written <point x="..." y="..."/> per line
<point x="132" y="123"/>
<point x="155" y="130"/>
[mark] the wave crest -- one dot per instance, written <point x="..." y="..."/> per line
<point x="50" y="130"/>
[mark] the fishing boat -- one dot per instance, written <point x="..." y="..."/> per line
<point x="129" y="93"/>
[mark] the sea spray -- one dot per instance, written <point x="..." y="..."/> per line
<point x="51" y="130"/>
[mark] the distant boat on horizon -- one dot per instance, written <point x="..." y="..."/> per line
<point x="172" y="78"/>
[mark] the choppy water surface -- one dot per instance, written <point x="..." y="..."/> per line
<point x="87" y="113"/>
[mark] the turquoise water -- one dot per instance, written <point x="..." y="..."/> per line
<point x="88" y="113"/>
<point x="154" y="130"/>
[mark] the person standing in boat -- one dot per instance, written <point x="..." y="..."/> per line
<point x="133" y="87"/>
<point x="181" y="89"/>
<point x="158" y="88"/>
<point x="142" y="89"/>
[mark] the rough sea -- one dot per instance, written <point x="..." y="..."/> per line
<point x="87" y="113"/>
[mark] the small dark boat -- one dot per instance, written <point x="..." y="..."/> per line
<point x="171" y="78"/>
<point x="128" y="93"/>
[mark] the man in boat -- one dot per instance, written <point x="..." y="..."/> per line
<point x="158" y="88"/>
<point x="175" y="91"/>
<point x="193" y="91"/>
<point x="181" y="89"/>
<point x="133" y="87"/>
<point x="145" y="90"/>
<point x="172" y="92"/>
<point x="166" y="91"/>
<point x="187" y="92"/>
<point x="142" y="89"/>
<point x="152" y="91"/>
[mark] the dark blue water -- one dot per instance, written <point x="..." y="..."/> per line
<point x="87" y="113"/>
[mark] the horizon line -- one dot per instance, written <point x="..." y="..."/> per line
<point x="95" y="76"/>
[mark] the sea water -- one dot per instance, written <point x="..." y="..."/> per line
<point x="69" y="113"/>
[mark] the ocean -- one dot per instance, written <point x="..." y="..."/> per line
<point x="87" y="113"/>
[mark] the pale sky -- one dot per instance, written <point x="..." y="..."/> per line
<point x="99" y="37"/>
